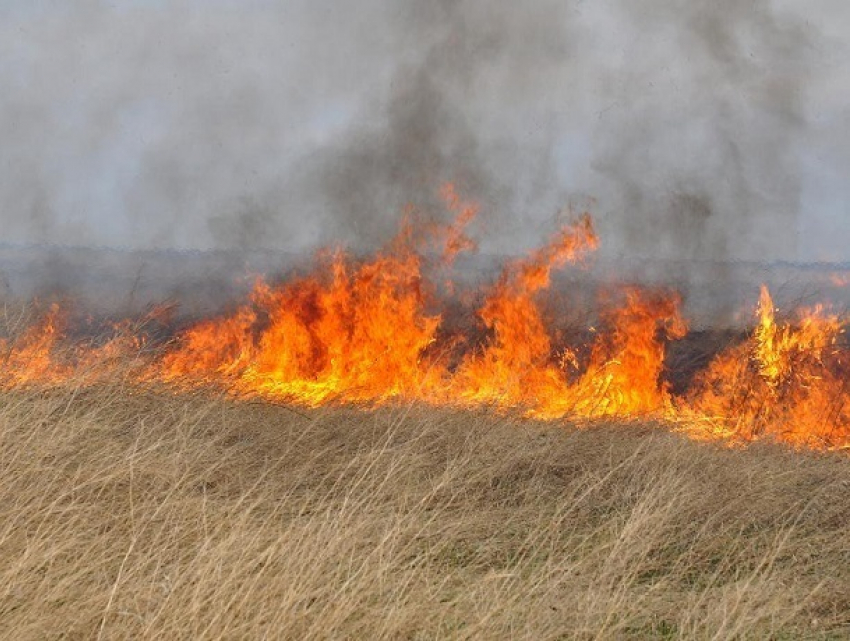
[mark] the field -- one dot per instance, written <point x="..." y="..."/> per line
<point x="131" y="514"/>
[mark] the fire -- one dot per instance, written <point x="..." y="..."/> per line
<point x="376" y="330"/>
<point x="513" y="368"/>
<point x="211" y="351"/>
<point x="624" y="377"/>
<point x="787" y="382"/>
<point x="41" y="355"/>
<point x="348" y="332"/>
<point x="32" y="358"/>
<point x="840" y="279"/>
<point x="455" y="238"/>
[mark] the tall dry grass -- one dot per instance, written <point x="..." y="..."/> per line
<point x="127" y="515"/>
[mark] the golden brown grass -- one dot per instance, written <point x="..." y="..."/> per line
<point x="128" y="515"/>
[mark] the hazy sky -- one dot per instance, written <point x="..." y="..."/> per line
<point x="715" y="129"/>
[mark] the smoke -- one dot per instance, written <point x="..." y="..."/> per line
<point x="693" y="153"/>
<point x="703" y="140"/>
<point x="461" y="107"/>
<point x="283" y="125"/>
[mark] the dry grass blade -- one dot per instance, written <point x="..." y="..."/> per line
<point x="138" y="515"/>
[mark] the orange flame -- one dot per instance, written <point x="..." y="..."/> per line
<point x="626" y="363"/>
<point x="373" y="331"/>
<point x="514" y="368"/>
<point x="840" y="279"/>
<point x="456" y="240"/>
<point x="787" y="382"/>
<point x="349" y="332"/>
<point x="31" y="358"/>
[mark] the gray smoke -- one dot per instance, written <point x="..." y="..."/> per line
<point x="461" y="107"/>
<point x="703" y="146"/>
<point x="261" y="124"/>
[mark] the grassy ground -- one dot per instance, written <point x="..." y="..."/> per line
<point x="142" y="515"/>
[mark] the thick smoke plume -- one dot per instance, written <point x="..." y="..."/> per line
<point x="283" y="125"/>
<point x="703" y="146"/>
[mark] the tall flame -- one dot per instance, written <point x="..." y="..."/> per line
<point x="348" y="332"/>
<point x="513" y="368"/>
<point x="626" y="363"/>
<point x="787" y="381"/>
<point x="374" y="331"/>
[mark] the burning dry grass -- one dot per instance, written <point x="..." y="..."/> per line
<point x="377" y="330"/>
<point x="127" y="514"/>
<point x="382" y="329"/>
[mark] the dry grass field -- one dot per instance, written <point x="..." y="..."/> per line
<point x="127" y="515"/>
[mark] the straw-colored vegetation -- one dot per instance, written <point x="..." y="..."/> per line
<point x="127" y="515"/>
